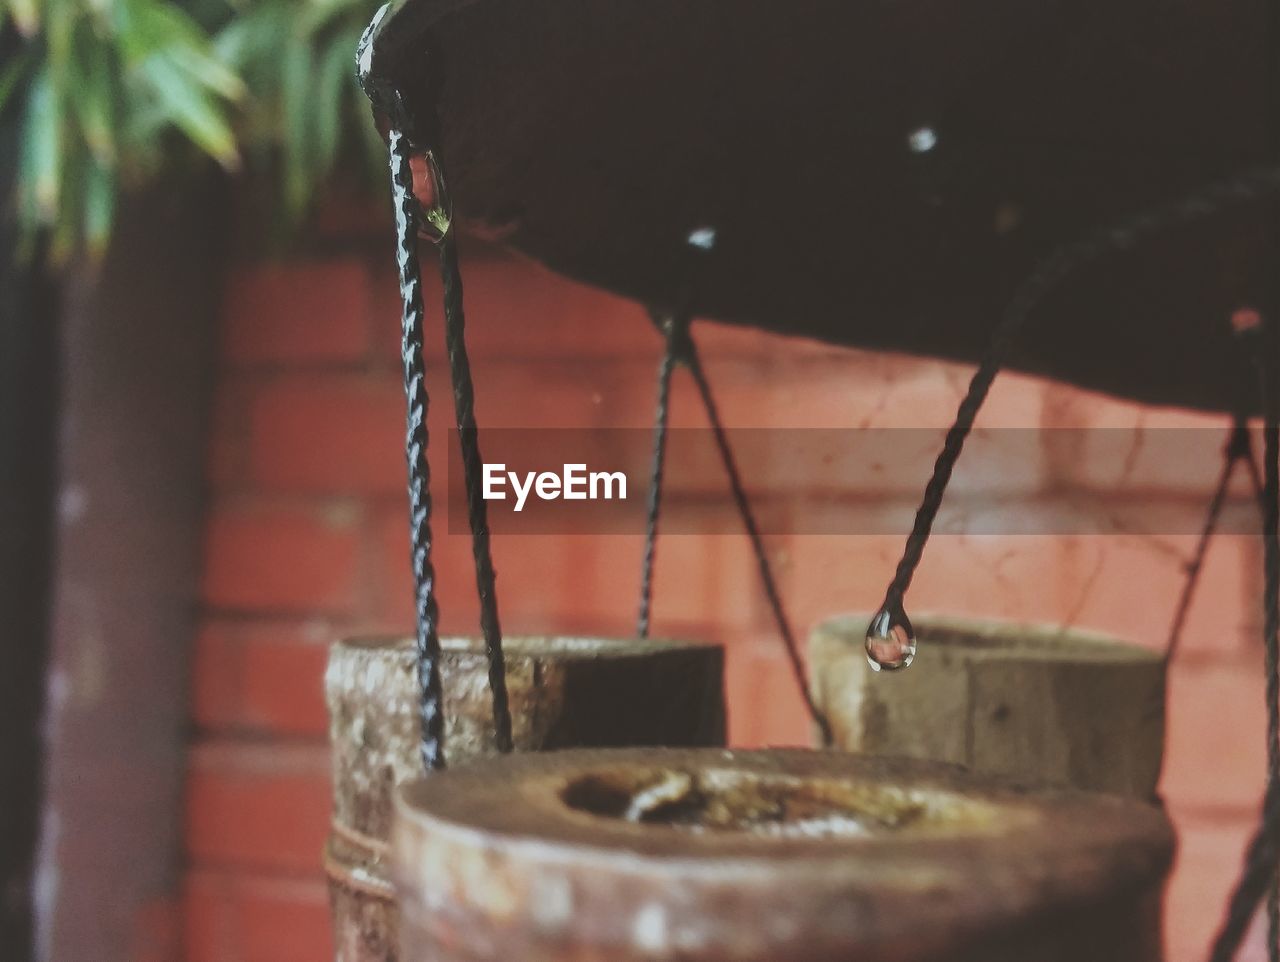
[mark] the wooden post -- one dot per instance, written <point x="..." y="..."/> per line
<point x="564" y="692"/>
<point x="1036" y="702"/>
<point x="710" y="856"/>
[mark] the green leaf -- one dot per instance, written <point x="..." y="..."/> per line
<point x="252" y="40"/>
<point x="296" y="90"/>
<point x="57" y="36"/>
<point x="161" y="28"/>
<point x="40" y="171"/>
<point x="336" y="78"/>
<point x="235" y="42"/>
<point x="12" y="74"/>
<point x="105" y="83"/>
<point x="211" y="73"/>
<point x="317" y="14"/>
<point x="191" y="109"/>
<point x="99" y="207"/>
<point x="68" y="225"/>
<point x="26" y="16"/>
<point x="146" y="26"/>
<point x="93" y="84"/>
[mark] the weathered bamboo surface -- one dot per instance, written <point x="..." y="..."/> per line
<point x="564" y="692"/>
<point x="1032" y="701"/>
<point x="769" y="856"/>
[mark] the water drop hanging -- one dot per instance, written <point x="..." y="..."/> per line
<point x="435" y="206"/>
<point x="891" y="641"/>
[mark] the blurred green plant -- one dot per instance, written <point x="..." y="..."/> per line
<point x="113" y="91"/>
<point x="305" y="109"/>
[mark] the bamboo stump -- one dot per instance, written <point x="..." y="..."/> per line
<point x="773" y="856"/>
<point x="1035" y="702"/>
<point x="564" y="692"/>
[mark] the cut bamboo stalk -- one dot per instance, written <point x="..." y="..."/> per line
<point x="565" y="692"/>
<point x="1040" y="703"/>
<point x="662" y="855"/>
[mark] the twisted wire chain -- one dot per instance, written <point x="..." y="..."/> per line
<point x="1238" y="450"/>
<point x="1271" y="591"/>
<point x="416" y="399"/>
<point x="1267" y="368"/>
<point x="1266" y="359"/>
<point x="1259" y="869"/>
<point x="422" y="129"/>
<point x="743" y="503"/>
<point x="1211" y="199"/>
<point x="670" y="326"/>
<point x="1258" y="877"/>
<point x="473" y="479"/>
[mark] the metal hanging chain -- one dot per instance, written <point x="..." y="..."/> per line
<point x="674" y="327"/>
<point x="414" y="138"/>
<point x="1259" y="870"/>
<point x="473" y="479"/>
<point x="1258" y="878"/>
<point x="680" y="349"/>
<point x="1265" y="357"/>
<point x="1213" y="198"/>
<point x="1238" y="450"/>
<point x="415" y="391"/>
<point x="675" y="330"/>
<point x="1265" y="360"/>
<point x="694" y="362"/>
<point x="387" y="103"/>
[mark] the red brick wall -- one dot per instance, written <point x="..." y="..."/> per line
<point x="307" y="540"/>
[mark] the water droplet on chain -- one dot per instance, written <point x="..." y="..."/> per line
<point x="891" y="641"/>
<point x="432" y="195"/>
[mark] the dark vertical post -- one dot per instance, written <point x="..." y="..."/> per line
<point x="27" y="412"/>
<point x="136" y="347"/>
